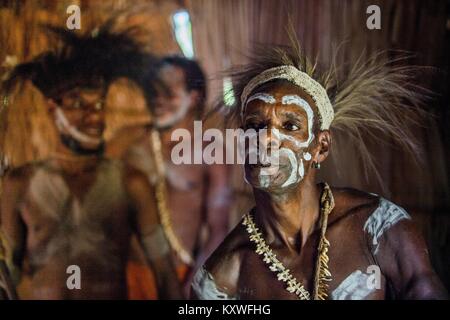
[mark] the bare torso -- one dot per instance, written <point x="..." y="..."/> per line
<point x="82" y="220"/>
<point x="358" y="258"/>
<point x="186" y="187"/>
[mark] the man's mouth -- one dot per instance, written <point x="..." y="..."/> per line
<point x="93" y="131"/>
<point x="268" y="166"/>
<point x="159" y="111"/>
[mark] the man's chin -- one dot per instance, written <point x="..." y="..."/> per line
<point x="83" y="148"/>
<point x="165" y="123"/>
<point x="265" y="182"/>
<point x="273" y="188"/>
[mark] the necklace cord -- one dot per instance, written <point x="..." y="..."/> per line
<point x="322" y="274"/>
<point x="160" y="193"/>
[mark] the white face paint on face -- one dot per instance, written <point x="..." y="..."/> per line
<point x="173" y="106"/>
<point x="65" y="128"/>
<point x="168" y="121"/>
<point x="307" y="156"/>
<point x="295" y="99"/>
<point x="265" y="97"/>
<point x="292" y="150"/>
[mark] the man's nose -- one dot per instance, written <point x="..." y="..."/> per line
<point x="94" y="114"/>
<point x="270" y="139"/>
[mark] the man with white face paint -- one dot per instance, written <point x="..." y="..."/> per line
<point x="78" y="208"/>
<point x="304" y="240"/>
<point x="194" y="199"/>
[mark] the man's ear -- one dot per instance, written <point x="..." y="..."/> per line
<point x="323" y="146"/>
<point x="51" y="105"/>
<point x="195" y="98"/>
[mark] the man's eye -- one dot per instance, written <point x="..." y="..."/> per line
<point x="255" y="126"/>
<point x="76" y="104"/>
<point x="291" y="126"/>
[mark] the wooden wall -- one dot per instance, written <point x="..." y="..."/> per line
<point x="26" y="133"/>
<point x="224" y="30"/>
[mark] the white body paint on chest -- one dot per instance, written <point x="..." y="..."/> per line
<point x="354" y="287"/>
<point x="205" y="288"/>
<point x="384" y="217"/>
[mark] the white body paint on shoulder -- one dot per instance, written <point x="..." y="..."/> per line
<point x="384" y="217"/>
<point x="354" y="287"/>
<point x="205" y="288"/>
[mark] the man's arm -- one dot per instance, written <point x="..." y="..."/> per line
<point x="218" y="203"/>
<point x="12" y="229"/>
<point x="151" y="236"/>
<point x="404" y="259"/>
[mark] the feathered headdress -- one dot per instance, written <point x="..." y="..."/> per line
<point x="376" y="97"/>
<point x="96" y="57"/>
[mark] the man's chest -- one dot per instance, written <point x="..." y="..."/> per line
<point x="354" y="274"/>
<point x="52" y="198"/>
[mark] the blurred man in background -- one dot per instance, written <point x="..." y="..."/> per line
<point x="193" y="199"/>
<point x="66" y="221"/>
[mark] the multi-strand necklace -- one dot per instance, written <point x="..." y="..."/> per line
<point x="322" y="274"/>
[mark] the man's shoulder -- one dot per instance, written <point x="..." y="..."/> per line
<point x="229" y="251"/>
<point x="218" y="278"/>
<point x="16" y="180"/>
<point x="374" y="214"/>
<point x="125" y="139"/>
<point x="353" y="201"/>
<point x="22" y="173"/>
<point x="350" y="202"/>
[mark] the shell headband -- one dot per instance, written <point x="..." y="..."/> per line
<point x="300" y="79"/>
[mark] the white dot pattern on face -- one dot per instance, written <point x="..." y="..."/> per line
<point x="307" y="156"/>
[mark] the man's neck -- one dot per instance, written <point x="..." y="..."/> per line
<point x="72" y="162"/>
<point x="290" y="217"/>
<point x="166" y="134"/>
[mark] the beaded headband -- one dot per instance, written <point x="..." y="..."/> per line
<point x="300" y="79"/>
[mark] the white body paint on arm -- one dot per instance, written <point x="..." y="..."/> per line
<point x="205" y="288"/>
<point x="354" y="287"/>
<point x="384" y="217"/>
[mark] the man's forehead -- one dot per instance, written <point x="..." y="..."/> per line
<point x="81" y="91"/>
<point x="281" y="94"/>
<point x="282" y="89"/>
<point x="290" y="109"/>
<point x="170" y="74"/>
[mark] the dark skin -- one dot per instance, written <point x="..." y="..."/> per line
<point x="289" y="220"/>
<point x="32" y="231"/>
<point x="197" y="194"/>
